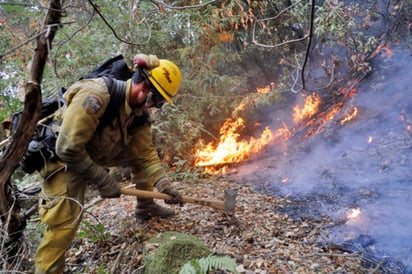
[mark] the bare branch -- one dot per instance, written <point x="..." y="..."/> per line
<point x="273" y="18"/>
<point x="280" y="13"/>
<point x="280" y="44"/>
<point x="54" y="62"/>
<point x="26" y="5"/>
<point x="112" y="29"/>
<point x="29" y="40"/>
<point x="183" y="7"/>
<point x="20" y="45"/>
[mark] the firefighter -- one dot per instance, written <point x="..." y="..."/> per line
<point x="85" y="150"/>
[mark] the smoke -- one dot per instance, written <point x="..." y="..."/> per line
<point x="364" y="163"/>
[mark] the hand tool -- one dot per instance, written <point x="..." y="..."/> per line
<point x="228" y="205"/>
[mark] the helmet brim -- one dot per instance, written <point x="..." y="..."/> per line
<point x="159" y="88"/>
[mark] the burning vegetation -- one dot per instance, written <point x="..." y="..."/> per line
<point x="310" y="115"/>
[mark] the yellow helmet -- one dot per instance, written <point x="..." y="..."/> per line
<point x="166" y="78"/>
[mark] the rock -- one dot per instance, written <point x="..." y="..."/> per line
<point x="174" y="250"/>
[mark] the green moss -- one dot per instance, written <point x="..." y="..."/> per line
<point x="175" y="249"/>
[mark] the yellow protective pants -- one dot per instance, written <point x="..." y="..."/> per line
<point x="141" y="181"/>
<point x="60" y="208"/>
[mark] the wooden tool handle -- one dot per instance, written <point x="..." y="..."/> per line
<point x="157" y="195"/>
<point x="144" y="194"/>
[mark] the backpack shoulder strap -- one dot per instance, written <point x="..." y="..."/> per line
<point x="117" y="91"/>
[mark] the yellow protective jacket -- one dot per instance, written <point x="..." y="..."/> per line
<point x="82" y="141"/>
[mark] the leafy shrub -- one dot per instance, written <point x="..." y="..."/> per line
<point x="204" y="265"/>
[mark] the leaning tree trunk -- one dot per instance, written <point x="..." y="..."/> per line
<point x="13" y="223"/>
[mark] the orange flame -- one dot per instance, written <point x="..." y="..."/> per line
<point x="350" y="116"/>
<point x="388" y="52"/>
<point x="230" y="149"/>
<point x="285" y="180"/>
<point x="322" y="118"/>
<point x="354" y="213"/>
<point x="282" y="134"/>
<point x="331" y="114"/>
<point x="266" y="89"/>
<point x="404" y="118"/>
<point x="310" y="107"/>
<point x="350" y="89"/>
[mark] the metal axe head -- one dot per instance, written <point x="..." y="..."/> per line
<point x="230" y="200"/>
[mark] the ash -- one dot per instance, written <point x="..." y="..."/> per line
<point x="365" y="163"/>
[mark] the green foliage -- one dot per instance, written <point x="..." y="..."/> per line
<point x="339" y="24"/>
<point x="34" y="232"/>
<point x="101" y="269"/>
<point x="10" y="98"/>
<point x="184" y="170"/>
<point x="212" y="44"/>
<point x="332" y="24"/>
<point x="8" y="105"/>
<point x="24" y="180"/>
<point x="93" y="232"/>
<point x="212" y="262"/>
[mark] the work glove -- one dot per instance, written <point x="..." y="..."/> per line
<point x="107" y="186"/>
<point x="145" y="61"/>
<point x="164" y="186"/>
<point x="96" y="175"/>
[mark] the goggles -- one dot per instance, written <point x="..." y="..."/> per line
<point x="153" y="96"/>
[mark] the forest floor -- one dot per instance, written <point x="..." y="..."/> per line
<point x="257" y="237"/>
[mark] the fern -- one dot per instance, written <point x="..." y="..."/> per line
<point x="203" y="265"/>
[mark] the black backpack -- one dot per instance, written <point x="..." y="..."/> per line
<point x="115" y="67"/>
<point x="42" y="145"/>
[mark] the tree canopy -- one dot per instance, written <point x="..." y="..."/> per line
<point x="226" y="49"/>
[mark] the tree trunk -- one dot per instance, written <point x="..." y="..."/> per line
<point x="13" y="222"/>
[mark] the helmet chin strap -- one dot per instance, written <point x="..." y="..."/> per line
<point x="148" y="99"/>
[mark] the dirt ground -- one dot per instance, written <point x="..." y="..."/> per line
<point x="257" y="237"/>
